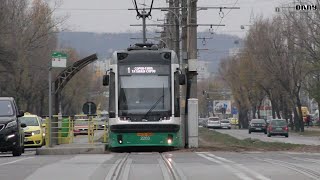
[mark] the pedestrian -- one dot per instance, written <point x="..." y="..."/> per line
<point x="308" y="120"/>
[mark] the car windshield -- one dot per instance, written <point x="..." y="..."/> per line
<point x="214" y="119"/>
<point x="6" y="108"/>
<point x="258" y="121"/>
<point x="278" y="123"/>
<point x="29" y="121"/>
<point x="81" y="123"/>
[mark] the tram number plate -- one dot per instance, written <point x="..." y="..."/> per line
<point x="144" y="136"/>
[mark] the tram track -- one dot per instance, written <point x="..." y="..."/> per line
<point x="121" y="169"/>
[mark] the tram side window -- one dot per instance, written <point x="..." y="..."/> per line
<point x="112" y="102"/>
<point x="176" y="95"/>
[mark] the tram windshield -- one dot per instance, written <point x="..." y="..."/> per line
<point x="144" y="94"/>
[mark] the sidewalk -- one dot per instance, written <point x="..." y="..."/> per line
<point x="313" y="128"/>
<point x="80" y="145"/>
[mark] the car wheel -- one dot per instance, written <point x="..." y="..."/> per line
<point x="265" y="132"/>
<point x="22" y="149"/>
<point x="269" y="135"/>
<point x="229" y="127"/>
<point x="17" y="151"/>
<point x="249" y="132"/>
<point x="287" y="135"/>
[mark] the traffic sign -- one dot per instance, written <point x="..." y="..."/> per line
<point x="59" y="59"/>
<point x="89" y="108"/>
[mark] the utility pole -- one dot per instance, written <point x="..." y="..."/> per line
<point x="183" y="63"/>
<point x="192" y="107"/>
<point x="176" y="5"/>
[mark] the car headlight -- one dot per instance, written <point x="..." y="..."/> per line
<point x="35" y="132"/>
<point x="11" y="124"/>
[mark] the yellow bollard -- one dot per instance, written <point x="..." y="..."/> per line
<point x="47" y="129"/>
<point x="105" y="132"/>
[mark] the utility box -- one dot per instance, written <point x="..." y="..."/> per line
<point x="193" y="127"/>
<point x="193" y="65"/>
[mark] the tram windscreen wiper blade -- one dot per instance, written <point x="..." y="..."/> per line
<point x="154" y="106"/>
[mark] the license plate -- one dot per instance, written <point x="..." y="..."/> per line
<point x="278" y="129"/>
<point x="258" y="128"/>
<point x="144" y="134"/>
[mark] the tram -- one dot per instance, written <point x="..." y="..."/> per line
<point x="144" y="97"/>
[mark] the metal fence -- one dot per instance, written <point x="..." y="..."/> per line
<point x="61" y="130"/>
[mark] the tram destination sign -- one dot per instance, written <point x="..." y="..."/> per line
<point x="144" y="69"/>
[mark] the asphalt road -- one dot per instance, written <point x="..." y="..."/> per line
<point x="293" y="138"/>
<point x="162" y="166"/>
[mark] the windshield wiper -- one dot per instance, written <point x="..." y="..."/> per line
<point x="154" y="106"/>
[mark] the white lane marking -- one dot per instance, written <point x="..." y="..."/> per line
<point x="164" y="170"/>
<point x="233" y="170"/>
<point x="242" y="167"/>
<point x="293" y="167"/>
<point x="11" y="162"/>
<point x="127" y="170"/>
<point x="112" y="170"/>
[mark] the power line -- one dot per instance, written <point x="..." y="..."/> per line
<point x="88" y="9"/>
<point x="225" y="14"/>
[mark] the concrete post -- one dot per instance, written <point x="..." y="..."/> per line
<point x="193" y="127"/>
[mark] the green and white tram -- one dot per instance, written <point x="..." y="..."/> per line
<point x="144" y="98"/>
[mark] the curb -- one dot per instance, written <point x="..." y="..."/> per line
<point x="101" y="149"/>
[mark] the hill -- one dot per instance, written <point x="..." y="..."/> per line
<point x="86" y="43"/>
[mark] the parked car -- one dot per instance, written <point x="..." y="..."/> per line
<point x="278" y="127"/>
<point x="234" y="121"/>
<point x="34" y="132"/>
<point x="11" y="132"/>
<point x="213" y="122"/>
<point x="225" y="123"/>
<point x="81" y="127"/>
<point x="258" y="125"/>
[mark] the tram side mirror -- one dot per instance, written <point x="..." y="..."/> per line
<point x="112" y="114"/>
<point x="105" y="80"/>
<point x="182" y="79"/>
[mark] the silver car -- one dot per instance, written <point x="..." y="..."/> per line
<point x="225" y="123"/>
<point x="213" y="122"/>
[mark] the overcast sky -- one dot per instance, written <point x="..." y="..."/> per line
<point x="88" y="16"/>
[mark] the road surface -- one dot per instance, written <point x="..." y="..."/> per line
<point x="162" y="166"/>
<point x="293" y="138"/>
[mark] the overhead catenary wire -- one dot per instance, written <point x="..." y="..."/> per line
<point x="224" y="15"/>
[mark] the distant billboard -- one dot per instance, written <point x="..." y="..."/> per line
<point x="222" y="107"/>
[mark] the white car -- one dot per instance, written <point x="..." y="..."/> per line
<point x="225" y="123"/>
<point x="213" y="122"/>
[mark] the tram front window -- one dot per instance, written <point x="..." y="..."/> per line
<point x="142" y="96"/>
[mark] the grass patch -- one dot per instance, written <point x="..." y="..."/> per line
<point x="219" y="141"/>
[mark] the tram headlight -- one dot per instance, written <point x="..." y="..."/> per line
<point x="119" y="138"/>
<point x="170" y="139"/>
